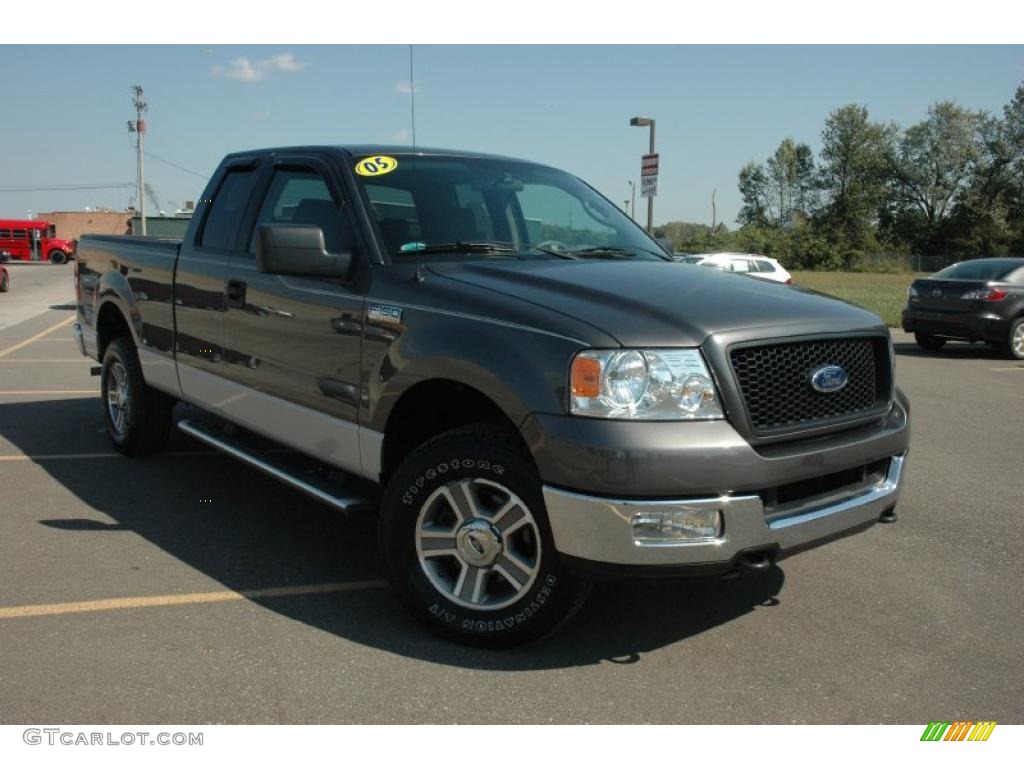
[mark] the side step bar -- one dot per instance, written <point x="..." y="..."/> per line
<point x="206" y="431"/>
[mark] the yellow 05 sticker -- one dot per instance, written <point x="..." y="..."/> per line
<point x="376" y="166"/>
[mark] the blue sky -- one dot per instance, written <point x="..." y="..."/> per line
<point x="716" y="108"/>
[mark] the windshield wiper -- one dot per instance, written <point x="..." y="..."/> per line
<point x="550" y="252"/>
<point x="615" y="252"/>
<point x="461" y="246"/>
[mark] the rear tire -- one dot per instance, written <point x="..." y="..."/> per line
<point x="138" y="417"/>
<point x="929" y="342"/>
<point x="466" y="544"/>
<point x="1013" y="347"/>
<point x="58" y="257"/>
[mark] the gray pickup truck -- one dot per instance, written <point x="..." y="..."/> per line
<point x="523" y="383"/>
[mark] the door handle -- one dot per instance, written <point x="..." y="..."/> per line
<point x="236" y="293"/>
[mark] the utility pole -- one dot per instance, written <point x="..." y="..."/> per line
<point x="138" y="127"/>
<point x="631" y="203"/>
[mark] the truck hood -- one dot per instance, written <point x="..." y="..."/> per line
<point x="649" y="303"/>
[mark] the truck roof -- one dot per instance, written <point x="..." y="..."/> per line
<point x="359" y="150"/>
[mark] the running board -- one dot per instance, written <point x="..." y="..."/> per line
<point x="216" y="434"/>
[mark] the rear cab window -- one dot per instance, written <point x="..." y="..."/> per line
<point x="224" y="216"/>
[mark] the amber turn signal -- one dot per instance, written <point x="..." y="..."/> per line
<point x="586" y="377"/>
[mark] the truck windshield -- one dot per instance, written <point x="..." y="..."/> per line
<point x="445" y="208"/>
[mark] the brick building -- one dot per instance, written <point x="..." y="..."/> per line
<point x="71" y="225"/>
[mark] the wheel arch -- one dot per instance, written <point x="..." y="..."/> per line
<point x="111" y="322"/>
<point x="437" y="405"/>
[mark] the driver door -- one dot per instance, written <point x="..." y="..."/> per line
<point x="293" y="344"/>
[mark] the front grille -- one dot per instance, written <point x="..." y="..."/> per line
<point x="775" y="381"/>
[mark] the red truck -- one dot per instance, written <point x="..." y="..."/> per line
<point x="33" y="240"/>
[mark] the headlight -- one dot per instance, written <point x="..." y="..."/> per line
<point x="655" y="384"/>
<point x="911" y="292"/>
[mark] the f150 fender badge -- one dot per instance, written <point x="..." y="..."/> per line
<point x="384" y="313"/>
<point x="829" y="378"/>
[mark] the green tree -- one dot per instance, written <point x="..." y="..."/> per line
<point x="753" y="186"/>
<point x="791" y="174"/>
<point x="854" y="173"/>
<point x="932" y="168"/>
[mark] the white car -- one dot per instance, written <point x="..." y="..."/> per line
<point x="751" y="264"/>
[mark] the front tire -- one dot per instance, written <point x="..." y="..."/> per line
<point x="5" y="282"/>
<point x="58" y="257"/>
<point x="466" y="543"/>
<point x="1013" y="347"/>
<point x="929" y="342"/>
<point x="138" y="417"/>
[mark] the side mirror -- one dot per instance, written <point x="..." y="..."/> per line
<point x="298" y="249"/>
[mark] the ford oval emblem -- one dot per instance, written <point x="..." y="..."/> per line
<point x="829" y="378"/>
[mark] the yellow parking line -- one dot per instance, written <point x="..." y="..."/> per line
<point x="26" y="342"/>
<point x="57" y="456"/>
<point x="108" y="455"/>
<point x="1011" y="368"/>
<point x="119" y="603"/>
<point x="49" y="392"/>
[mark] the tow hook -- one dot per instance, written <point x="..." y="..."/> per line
<point x="889" y="516"/>
<point x="755" y="561"/>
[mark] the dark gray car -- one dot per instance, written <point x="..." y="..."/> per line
<point x="527" y="387"/>
<point x="977" y="300"/>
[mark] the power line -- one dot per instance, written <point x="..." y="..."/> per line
<point x="66" y="187"/>
<point x="174" y="165"/>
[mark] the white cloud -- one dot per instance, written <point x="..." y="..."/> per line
<point x="404" y="87"/>
<point x="252" y="71"/>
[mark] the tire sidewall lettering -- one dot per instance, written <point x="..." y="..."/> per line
<point x="437" y="607"/>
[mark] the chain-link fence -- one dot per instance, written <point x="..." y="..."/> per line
<point x="893" y="262"/>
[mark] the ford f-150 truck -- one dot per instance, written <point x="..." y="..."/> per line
<point x="533" y="392"/>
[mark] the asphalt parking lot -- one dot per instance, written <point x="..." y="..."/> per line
<point x="187" y="588"/>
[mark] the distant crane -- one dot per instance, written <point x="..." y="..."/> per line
<point x="152" y="196"/>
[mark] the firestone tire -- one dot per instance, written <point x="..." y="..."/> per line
<point x="466" y="544"/>
<point x="137" y="417"/>
<point x="1013" y="347"/>
<point x="57" y="257"/>
<point x="929" y="342"/>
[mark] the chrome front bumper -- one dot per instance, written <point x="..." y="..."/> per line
<point x="600" y="530"/>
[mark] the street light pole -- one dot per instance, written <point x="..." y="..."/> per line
<point x="648" y="122"/>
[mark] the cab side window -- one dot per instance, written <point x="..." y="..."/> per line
<point x="303" y="197"/>
<point x="221" y="225"/>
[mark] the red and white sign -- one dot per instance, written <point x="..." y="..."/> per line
<point x="649" y="176"/>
